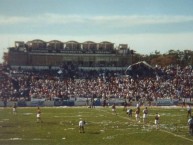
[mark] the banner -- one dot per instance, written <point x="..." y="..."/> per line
<point x="164" y="102"/>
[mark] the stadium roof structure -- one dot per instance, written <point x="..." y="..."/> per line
<point x="55" y="41"/>
<point x="37" y="41"/>
<point x="140" y="69"/>
<point x="89" y="42"/>
<point x="72" y="41"/>
<point x="106" y="42"/>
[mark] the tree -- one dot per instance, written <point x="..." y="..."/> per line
<point x="163" y="60"/>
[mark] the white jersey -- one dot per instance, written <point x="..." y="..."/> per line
<point x="38" y="115"/>
<point x="190" y="121"/>
<point x="81" y="123"/>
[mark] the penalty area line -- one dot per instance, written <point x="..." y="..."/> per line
<point x="176" y="135"/>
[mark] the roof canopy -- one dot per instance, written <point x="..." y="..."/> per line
<point x="140" y="69"/>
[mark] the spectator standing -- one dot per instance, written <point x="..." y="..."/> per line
<point x="183" y="103"/>
<point x="5" y="102"/>
<point x="125" y="106"/>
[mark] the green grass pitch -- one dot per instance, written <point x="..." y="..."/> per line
<point x="60" y="127"/>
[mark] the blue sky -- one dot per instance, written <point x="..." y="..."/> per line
<point x="145" y="25"/>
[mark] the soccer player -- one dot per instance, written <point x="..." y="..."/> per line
<point x="14" y="108"/>
<point x="190" y="123"/>
<point x="129" y="112"/>
<point x="38" y="115"/>
<point x="189" y="111"/>
<point x="137" y="114"/>
<point x="145" y="112"/>
<point x="114" y="108"/>
<point x="81" y="126"/>
<point x="157" y="116"/>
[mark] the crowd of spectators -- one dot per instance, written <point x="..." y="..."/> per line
<point x="171" y="82"/>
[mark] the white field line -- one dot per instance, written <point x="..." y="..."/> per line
<point x="112" y="136"/>
<point x="176" y="135"/>
<point x="16" y="139"/>
<point x="159" y="129"/>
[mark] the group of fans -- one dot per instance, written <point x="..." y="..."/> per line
<point x="171" y="82"/>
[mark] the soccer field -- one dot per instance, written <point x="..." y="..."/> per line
<point x="60" y="127"/>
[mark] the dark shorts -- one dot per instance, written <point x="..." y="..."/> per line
<point x="191" y="126"/>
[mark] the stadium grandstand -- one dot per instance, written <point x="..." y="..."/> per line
<point x="41" y="54"/>
<point x="62" y="76"/>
